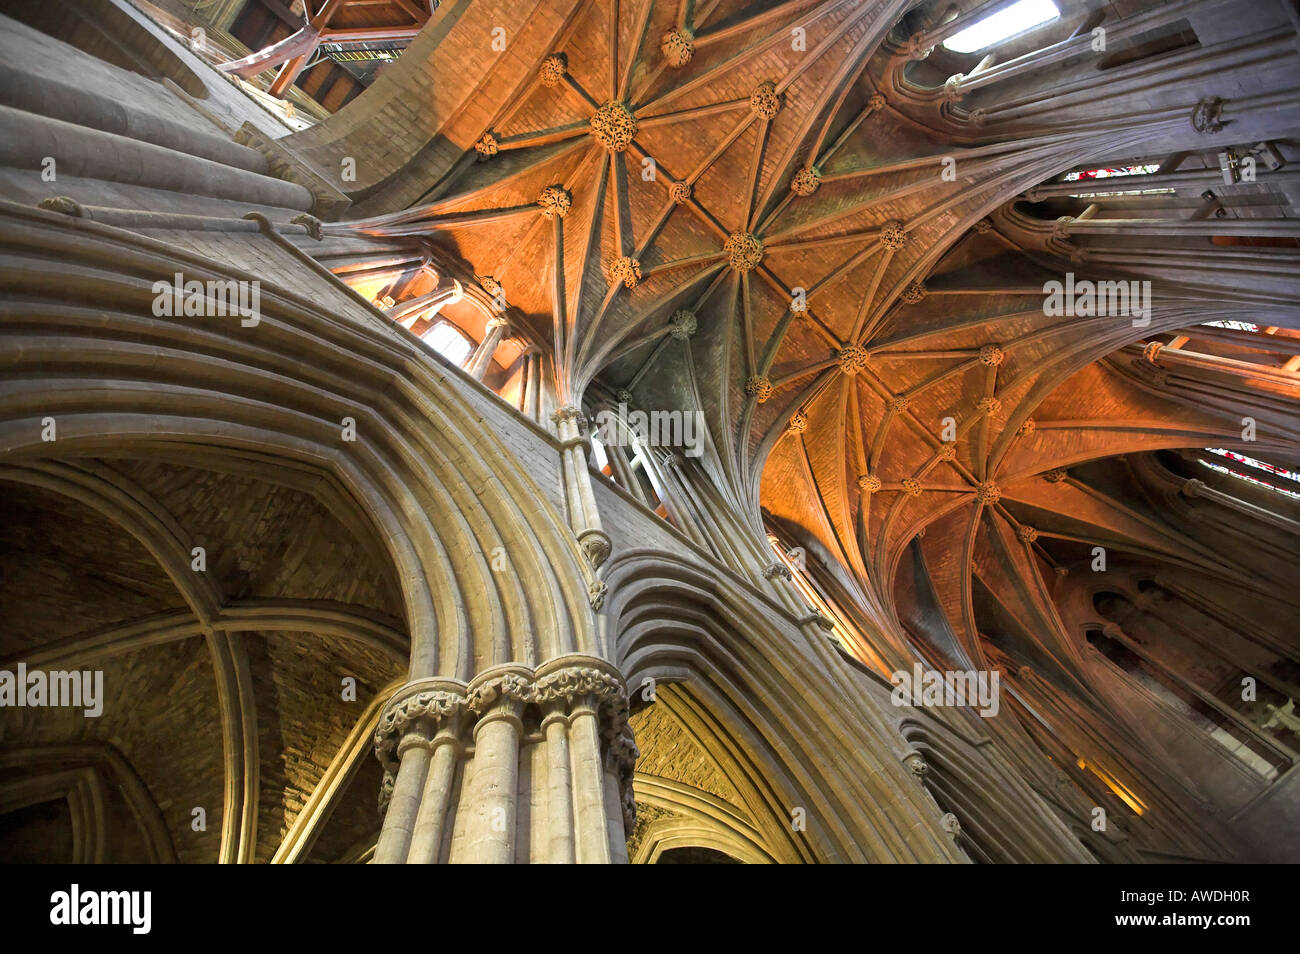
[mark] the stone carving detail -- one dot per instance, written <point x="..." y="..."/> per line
<point x="816" y="616"/>
<point x="614" y="126"/>
<point x="402" y="713"/>
<point x="948" y="451"/>
<point x="914" y="292"/>
<point x="1207" y="116"/>
<point x="853" y="359"/>
<point x="868" y="483"/>
<point x="678" y="47"/>
<point x="984" y="226"/>
<point x="490" y="285"/>
<point x="799" y="422"/>
<point x="566" y="684"/>
<point x="987" y="492"/>
<point x="555" y="201"/>
<point x="1027" y="428"/>
<point x="915" y="763"/>
<point x="596" y="594"/>
<point x="799" y="307"/>
<point x="989" y="406"/>
<point x="1061" y="227"/>
<point x="1193" y="487"/>
<point x="898" y="404"/>
<point x="1152" y="351"/>
<point x="744" y="251"/>
<point x="775" y="571"/>
<point x="310" y="224"/>
<point x="991" y="355"/>
<point x="1055" y="475"/>
<point x="62" y="204"/>
<point x="759" y="386"/>
<point x="911" y="487"/>
<point x="952" y="88"/>
<point x="623" y="396"/>
<point x="978" y="117"/>
<point x="595" y="544"/>
<point x="1026" y="534"/>
<point x="680" y="192"/>
<point x="916" y="48"/>
<point x="892" y="235"/>
<point x="877" y="102"/>
<point x="765" y="101"/>
<point x="485" y="695"/>
<point x="682" y="324"/>
<point x="487" y="146"/>
<point x="553" y="70"/>
<point x="568" y="413"/>
<point x="806" y="181"/>
<point x="950" y="824"/>
<point x="625" y="270"/>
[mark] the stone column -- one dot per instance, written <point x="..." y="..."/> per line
<point x="559" y="786"/>
<point x="583" y="515"/>
<point x="407" y="313"/>
<point x="481" y="360"/>
<point x="449" y="799"/>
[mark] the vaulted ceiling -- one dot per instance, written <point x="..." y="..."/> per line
<point x="754" y="211"/>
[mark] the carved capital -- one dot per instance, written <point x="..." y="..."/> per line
<point x="776" y="571"/>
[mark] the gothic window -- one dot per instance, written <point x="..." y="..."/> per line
<point x="1116" y="172"/>
<point x="448" y="340"/>
<point x="1001" y="26"/>
<point x="1258" y="465"/>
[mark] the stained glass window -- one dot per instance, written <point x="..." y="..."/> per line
<point x="1111" y="172"/>
<point x="1115" y="172"/>
<point x="1258" y="465"/>
<point x="1233" y="325"/>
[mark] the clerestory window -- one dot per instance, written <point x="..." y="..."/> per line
<point x="1003" y="25"/>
